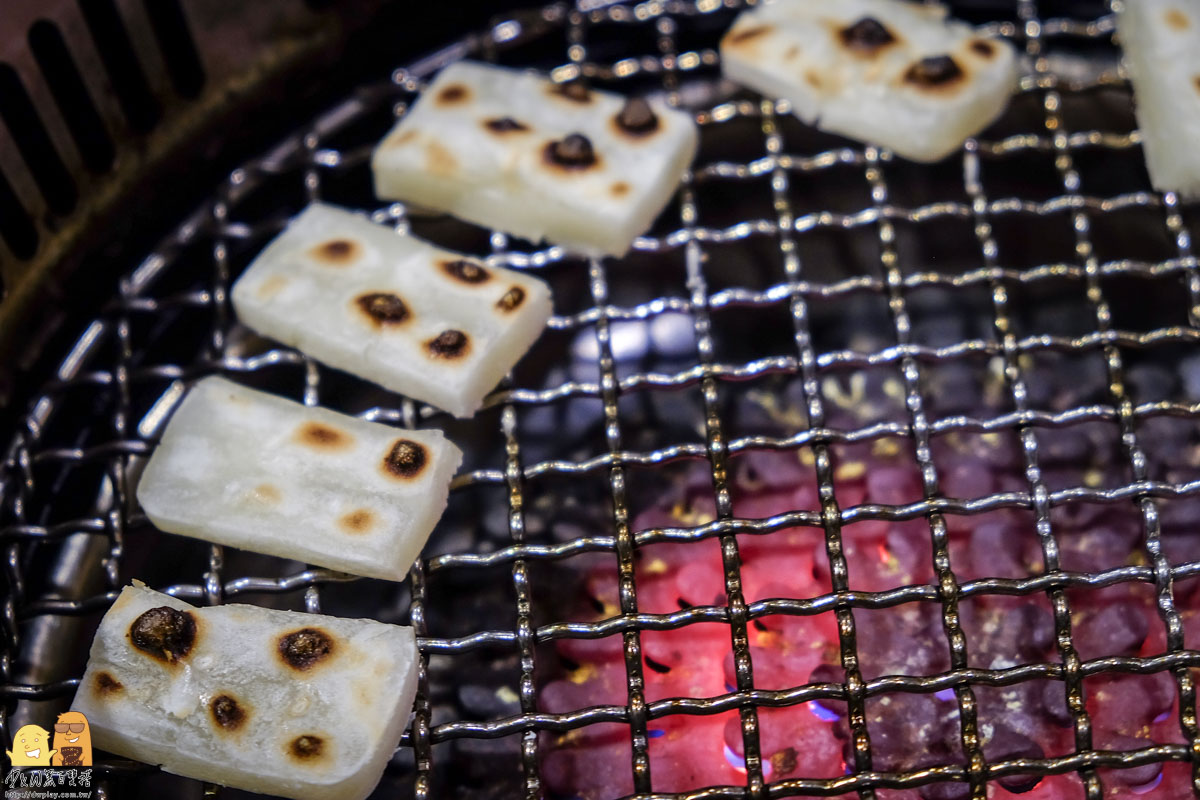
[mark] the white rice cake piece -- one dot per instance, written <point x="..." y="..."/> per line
<point x="1161" y="40"/>
<point x="248" y="469"/>
<point x="893" y="73"/>
<point x="510" y="150"/>
<point x="428" y="323"/>
<point x="298" y="705"/>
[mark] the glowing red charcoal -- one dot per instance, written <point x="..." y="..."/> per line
<point x="1026" y="720"/>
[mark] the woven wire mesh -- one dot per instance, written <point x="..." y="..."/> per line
<point x="73" y="534"/>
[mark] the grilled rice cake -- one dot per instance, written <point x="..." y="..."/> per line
<point x="510" y="150"/>
<point x="431" y="324"/>
<point x="1161" y="41"/>
<point x="889" y="72"/>
<point x="297" y="705"/>
<point x="248" y="469"/>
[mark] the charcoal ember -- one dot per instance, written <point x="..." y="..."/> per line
<point x="1132" y="777"/>
<point x="779" y="665"/>
<point x="901" y="556"/>
<point x="770" y="470"/>
<point x="893" y="485"/>
<point x="999" y="637"/>
<point x="488" y="702"/>
<point x="909" y="731"/>
<point x="1006" y="744"/>
<point x="1189" y="371"/>
<point x="1054" y="703"/>
<point x="593" y="684"/>
<point x="1116" y="629"/>
<point x="1060" y="382"/>
<point x="1128" y="703"/>
<point x="953" y="388"/>
<point x="1003" y="548"/>
<point x="1167" y="442"/>
<point x="1150" y="383"/>
<point x="1078" y="516"/>
<point x="1100" y="547"/>
<point x="1180" y="517"/>
<point x="1058" y="446"/>
<point x="793" y="741"/>
<point x="700" y="583"/>
<point x="906" y="640"/>
<point x="780" y="408"/>
<point x="1181" y="548"/>
<point x="1000" y="451"/>
<point x="963" y="478"/>
<point x="831" y="673"/>
<point x="945" y="790"/>
<point x="586" y="761"/>
<point x="1017" y="707"/>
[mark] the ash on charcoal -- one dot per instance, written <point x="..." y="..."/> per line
<point x="488" y="702"/>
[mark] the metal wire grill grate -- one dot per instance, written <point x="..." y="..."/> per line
<point x="66" y="557"/>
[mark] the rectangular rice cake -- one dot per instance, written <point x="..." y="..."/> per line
<point x="248" y="469"/>
<point x="893" y="73"/>
<point x="297" y="705"/>
<point x="510" y="150"/>
<point x="428" y="323"/>
<point x="1161" y="41"/>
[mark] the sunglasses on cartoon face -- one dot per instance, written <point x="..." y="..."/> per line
<point x="73" y="727"/>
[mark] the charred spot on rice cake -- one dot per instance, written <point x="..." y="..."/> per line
<point x="453" y="94"/>
<point x="106" y="685"/>
<point x="307" y="747"/>
<point x="466" y="271"/>
<point x="383" y="308"/>
<point x="572" y="152"/>
<point x="748" y="34"/>
<point x="984" y="48"/>
<point x="405" y="460"/>
<point x="359" y="520"/>
<point x="866" y="37"/>
<point x="321" y="436"/>
<point x="337" y="252"/>
<point x="450" y="345"/>
<point x="227" y="712"/>
<point x="303" y="649"/>
<point x="574" y="90"/>
<point x="164" y="633"/>
<point x="637" y="118"/>
<point x="505" y="125"/>
<point x="934" y="72"/>
<point x="511" y="299"/>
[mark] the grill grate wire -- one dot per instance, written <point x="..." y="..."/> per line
<point x="309" y="155"/>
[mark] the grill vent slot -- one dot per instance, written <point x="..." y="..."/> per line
<point x="71" y="95"/>
<point x="177" y="46"/>
<point x="116" y="51"/>
<point x="33" y="142"/>
<point x="16" y="228"/>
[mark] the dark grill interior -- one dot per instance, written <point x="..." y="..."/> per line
<point x="788" y="256"/>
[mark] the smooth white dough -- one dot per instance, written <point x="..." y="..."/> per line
<point x="252" y="470"/>
<point x="1161" y="41"/>
<point x="296" y="294"/>
<point x="356" y="700"/>
<point x="795" y="50"/>
<point x="442" y="155"/>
